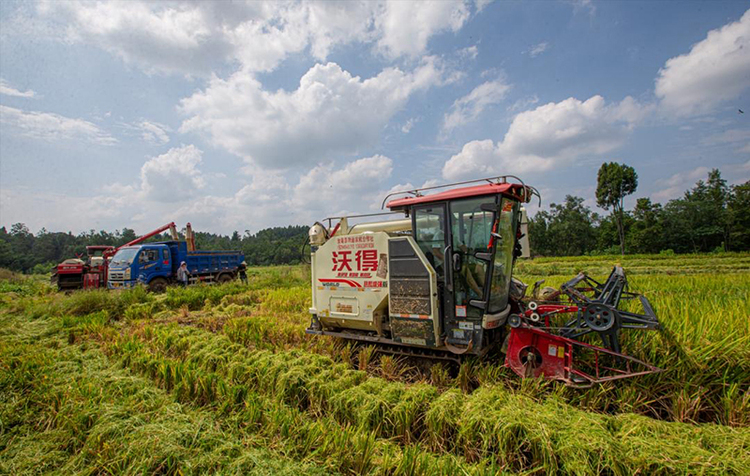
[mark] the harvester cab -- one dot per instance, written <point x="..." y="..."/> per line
<point x="434" y="282"/>
<point x="437" y="281"/>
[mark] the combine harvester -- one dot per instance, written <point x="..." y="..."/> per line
<point x="438" y="283"/>
<point x="75" y="273"/>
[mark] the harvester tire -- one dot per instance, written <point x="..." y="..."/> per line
<point x="224" y="278"/>
<point x="157" y="285"/>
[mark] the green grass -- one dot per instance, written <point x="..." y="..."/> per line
<point x="223" y="379"/>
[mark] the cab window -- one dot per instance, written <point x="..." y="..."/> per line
<point x="470" y="228"/>
<point x="503" y="261"/>
<point x="147" y="256"/>
<point x="429" y="226"/>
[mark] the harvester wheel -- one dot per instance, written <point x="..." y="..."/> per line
<point x="224" y="278"/>
<point x="157" y="285"/>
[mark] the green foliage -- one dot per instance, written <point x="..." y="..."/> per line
<point x="613" y="183"/>
<point x="709" y="216"/>
<point x="20" y="250"/>
<point x="567" y="229"/>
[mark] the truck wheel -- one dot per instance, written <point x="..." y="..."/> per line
<point x="157" y="285"/>
<point x="224" y="278"/>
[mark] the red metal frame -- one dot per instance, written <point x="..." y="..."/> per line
<point x="512" y="190"/>
<point x="556" y="359"/>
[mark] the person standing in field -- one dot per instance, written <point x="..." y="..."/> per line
<point x="183" y="274"/>
<point x="243" y="272"/>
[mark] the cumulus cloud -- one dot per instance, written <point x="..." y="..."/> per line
<point x="469" y="107"/>
<point x="342" y="187"/>
<point x="172" y="176"/>
<point x="405" y="27"/>
<point x="53" y="127"/>
<point x="716" y="69"/>
<point x="192" y="37"/>
<point x="550" y="135"/>
<point x="271" y="199"/>
<point x="330" y="112"/>
<point x="8" y="90"/>
<point x="158" y="37"/>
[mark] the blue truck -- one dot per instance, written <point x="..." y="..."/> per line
<point x="155" y="265"/>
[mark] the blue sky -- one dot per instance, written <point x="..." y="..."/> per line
<point x="243" y="116"/>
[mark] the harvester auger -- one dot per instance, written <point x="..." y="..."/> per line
<point x="438" y="283"/>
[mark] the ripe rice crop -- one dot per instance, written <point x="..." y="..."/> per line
<point x="224" y="379"/>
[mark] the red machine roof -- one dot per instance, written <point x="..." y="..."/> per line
<point x="512" y="190"/>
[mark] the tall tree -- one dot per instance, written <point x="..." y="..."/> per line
<point x="738" y="210"/>
<point x="646" y="233"/>
<point x="615" y="182"/>
<point x="566" y="230"/>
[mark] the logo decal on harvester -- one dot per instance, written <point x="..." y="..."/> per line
<point x="333" y="282"/>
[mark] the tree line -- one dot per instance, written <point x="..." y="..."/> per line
<point x="20" y="250"/>
<point x="711" y="216"/>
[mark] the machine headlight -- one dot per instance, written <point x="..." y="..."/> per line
<point x="127" y="274"/>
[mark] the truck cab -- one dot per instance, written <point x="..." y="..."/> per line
<point x="440" y="279"/>
<point x="140" y="264"/>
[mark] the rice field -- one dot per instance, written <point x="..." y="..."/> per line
<point x="223" y="379"/>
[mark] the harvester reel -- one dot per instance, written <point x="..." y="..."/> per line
<point x="590" y="306"/>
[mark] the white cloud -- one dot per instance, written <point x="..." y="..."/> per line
<point x="59" y="211"/>
<point x="409" y="124"/>
<point x="469" y="107"/>
<point x="407" y="26"/>
<point x="470" y="52"/>
<point x="158" y="37"/>
<point x="172" y="176"/>
<point x="524" y="103"/>
<point x="173" y="188"/>
<point x="548" y="136"/>
<point x="481" y="4"/>
<point x="53" y="127"/>
<point x="192" y="37"/>
<point x="8" y="90"/>
<point x="330" y="112"/>
<point x="153" y="132"/>
<point x="341" y="188"/>
<point x="676" y="185"/>
<point x="538" y="49"/>
<point x="716" y="70"/>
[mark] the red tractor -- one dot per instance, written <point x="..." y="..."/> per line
<point x="76" y="273"/>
